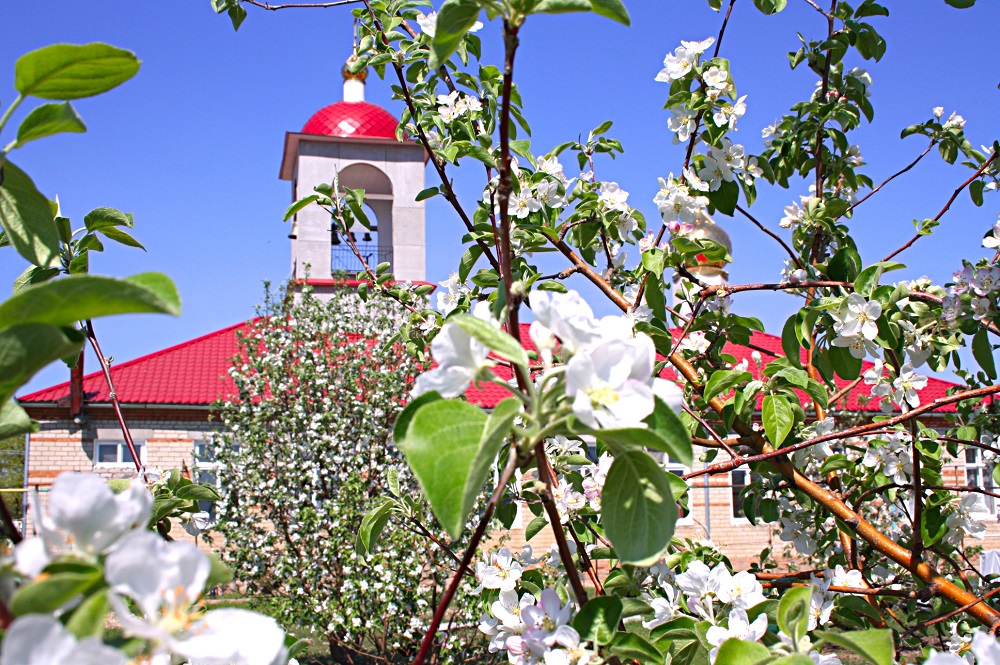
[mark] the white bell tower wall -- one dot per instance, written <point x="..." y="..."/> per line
<point x="390" y="172"/>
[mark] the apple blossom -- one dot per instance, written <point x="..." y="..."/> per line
<point x="739" y="627"/>
<point x="165" y="580"/>
<point x="460" y="359"/>
<point x="612" y="197"/>
<point x="83" y="516"/>
<point x="610" y="383"/>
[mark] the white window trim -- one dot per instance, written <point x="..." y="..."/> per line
<point x="984" y="471"/>
<point x="687" y="520"/>
<point x="122" y="447"/>
<point x="733" y="519"/>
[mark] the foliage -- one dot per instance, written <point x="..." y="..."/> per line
<point x="97" y="547"/>
<point x="12" y="473"/>
<point x="306" y="447"/>
<point x="871" y="502"/>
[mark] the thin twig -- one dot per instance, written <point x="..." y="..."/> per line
<point x="548" y="502"/>
<point x="893" y="177"/>
<point x="470" y="552"/>
<point x="113" y="394"/>
<point x="772" y="234"/>
<point x="982" y="169"/>
<point x="305" y="5"/>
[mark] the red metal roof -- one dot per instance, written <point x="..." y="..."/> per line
<point x="193" y="372"/>
<point x="196" y="373"/>
<point x="352" y="119"/>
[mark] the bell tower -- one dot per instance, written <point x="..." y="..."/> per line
<point x="356" y="140"/>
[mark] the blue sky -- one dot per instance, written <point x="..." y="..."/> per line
<point x="192" y="145"/>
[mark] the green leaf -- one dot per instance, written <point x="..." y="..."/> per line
<point x="562" y="6"/>
<point x="598" y="620"/>
<point x="87" y="620"/>
<point x="875" y="646"/>
<point x="196" y="492"/>
<point x="844" y="364"/>
<point x="740" y="652"/>
<point x="639" y="509"/>
<point x="976" y="192"/>
<point x="63" y="302"/>
<point x="33" y="275"/>
<point x="539" y="523"/>
<point x="70" y="71"/>
<point x="634" y="646"/>
<point x="770" y="6"/>
<point x="725" y="198"/>
<point x="793" y="612"/>
<point x="493" y="338"/>
<point x="778" y="418"/>
<point x="454" y="20"/>
<point x="27" y="217"/>
<point x="49" y="119"/>
<point x="612" y="9"/>
<point x="121" y="237"/>
<point x="164" y="506"/>
<point x="982" y="350"/>
<point x="405" y="416"/>
<point x="835" y="462"/>
<point x="299" y="205"/>
<point x="48" y="593"/>
<point x="666" y="433"/>
<point x="426" y="194"/>
<point x="14" y="421"/>
<point x="99" y="219"/>
<point x="237" y="13"/>
<point x="790" y="341"/>
<point x="450" y="445"/>
<point x="218" y="573"/>
<point x="371" y="526"/>
<point x="961" y="4"/>
<point x="845" y="265"/>
<point x="724" y="380"/>
<point x="27" y="348"/>
<point x="665" y="423"/>
<point x="868" y="279"/>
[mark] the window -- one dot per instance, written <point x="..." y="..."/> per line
<point x="116" y="453"/>
<point x="670" y="465"/>
<point x="739" y="479"/>
<point x="206" y="473"/>
<point x="977" y="474"/>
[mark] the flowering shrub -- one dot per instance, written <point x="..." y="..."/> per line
<point x="305" y="449"/>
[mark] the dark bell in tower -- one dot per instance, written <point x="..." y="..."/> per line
<point x="334" y="238"/>
<point x="367" y="237"/>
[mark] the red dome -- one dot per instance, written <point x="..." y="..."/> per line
<point x="352" y="119"/>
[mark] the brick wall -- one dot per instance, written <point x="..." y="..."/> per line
<point x="63" y="445"/>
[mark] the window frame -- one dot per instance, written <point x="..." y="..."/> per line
<point x="199" y="450"/>
<point x="671" y="466"/>
<point x="122" y="451"/>
<point x="747" y="479"/>
<point x="985" y="481"/>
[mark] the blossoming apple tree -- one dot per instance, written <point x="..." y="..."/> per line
<point x="868" y="500"/>
<point x="303" y="452"/>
